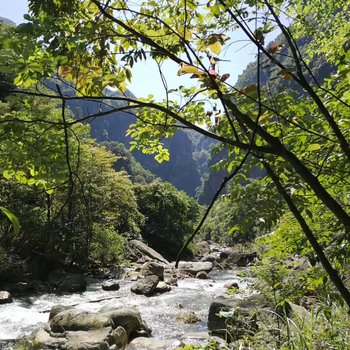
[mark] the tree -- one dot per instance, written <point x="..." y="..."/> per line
<point x="170" y="216"/>
<point x="95" y="44"/>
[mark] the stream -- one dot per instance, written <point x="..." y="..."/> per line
<point x="25" y="314"/>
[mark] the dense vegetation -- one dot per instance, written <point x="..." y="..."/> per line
<point x="286" y="121"/>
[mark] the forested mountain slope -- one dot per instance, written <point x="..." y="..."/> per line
<point x="186" y="163"/>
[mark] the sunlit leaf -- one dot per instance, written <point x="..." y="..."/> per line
<point x="15" y="223"/>
<point x="314" y="147"/>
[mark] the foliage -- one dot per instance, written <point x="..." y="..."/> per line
<point x="106" y="246"/>
<point x="246" y="211"/>
<point x="126" y="162"/>
<point x="170" y="216"/>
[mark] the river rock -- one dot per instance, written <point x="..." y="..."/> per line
<point x="120" y="337"/>
<point x="67" y="282"/>
<point x="128" y="318"/>
<point x="210" y="257"/>
<point x="194" y="267"/>
<point x="139" y="248"/>
<point x="45" y="340"/>
<point x="237" y="318"/>
<point x="187" y="317"/>
<point x="162" y="287"/>
<point x="230" y="285"/>
<point x="146" y="286"/>
<point x="5" y="297"/>
<point x="202" y="275"/>
<point x="153" y="268"/>
<point x="202" y="248"/>
<point x="235" y="258"/>
<point x="77" y="320"/>
<point x="110" y="285"/>
<point x="97" y="339"/>
<point x="154" y="344"/>
<point x="56" y="309"/>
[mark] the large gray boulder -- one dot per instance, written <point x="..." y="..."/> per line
<point x="153" y="268"/>
<point x="129" y="319"/>
<point x="77" y="320"/>
<point x="56" y="309"/>
<point x="139" y="249"/>
<point x="232" y="257"/>
<point x="237" y="318"/>
<point x="74" y="329"/>
<point x="147" y="286"/>
<point x="110" y="285"/>
<point x="5" y="297"/>
<point x="194" y="267"/>
<point x="98" y="339"/>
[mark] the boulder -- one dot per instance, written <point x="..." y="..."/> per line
<point x="153" y="344"/>
<point x="67" y="282"/>
<point x="110" y="285"/>
<point x="210" y="257"/>
<point x="56" y="309"/>
<point x="240" y="259"/>
<point x="162" y="287"/>
<point x="202" y="275"/>
<point x="44" y="340"/>
<point x="231" y="285"/>
<point x="187" y="317"/>
<point x="139" y="248"/>
<point x="5" y="297"/>
<point x="98" y="339"/>
<point x="77" y="320"/>
<point x="153" y="268"/>
<point x="120" y="336"/>
<point x="129" y="319"/>
<point x="225" y="253"/>
<point x="194" y="267"/>
<point x="237" y="318"/>
<point x="202" y="248"/>
<point x="146" y="286"/>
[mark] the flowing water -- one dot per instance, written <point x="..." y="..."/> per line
<point x="28" y="313"/>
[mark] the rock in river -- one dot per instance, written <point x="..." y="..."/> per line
<point x="5" y="297"/>
<point x="146" y="286"/>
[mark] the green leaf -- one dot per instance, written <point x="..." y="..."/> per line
<point x="232" y="230"/>
<point x="314" y="147"/>
<point x="215" y="47"/>
<point x="12" y="218"/>
<point x="8" y="174"/>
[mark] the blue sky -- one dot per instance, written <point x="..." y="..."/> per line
<point x="146" y="75"/>
<point x="13" y="9"/>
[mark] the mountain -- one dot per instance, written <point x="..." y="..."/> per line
<point x="7" y="21"/>
<point x="188" y="159"/>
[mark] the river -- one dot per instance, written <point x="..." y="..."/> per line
<point x="25" y="314"/>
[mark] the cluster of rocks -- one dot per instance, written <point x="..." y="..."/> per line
<point x="74" y="329"/>
<point x="223" y="258"/>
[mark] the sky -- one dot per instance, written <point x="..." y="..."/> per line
<point x="146" y="78"/>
